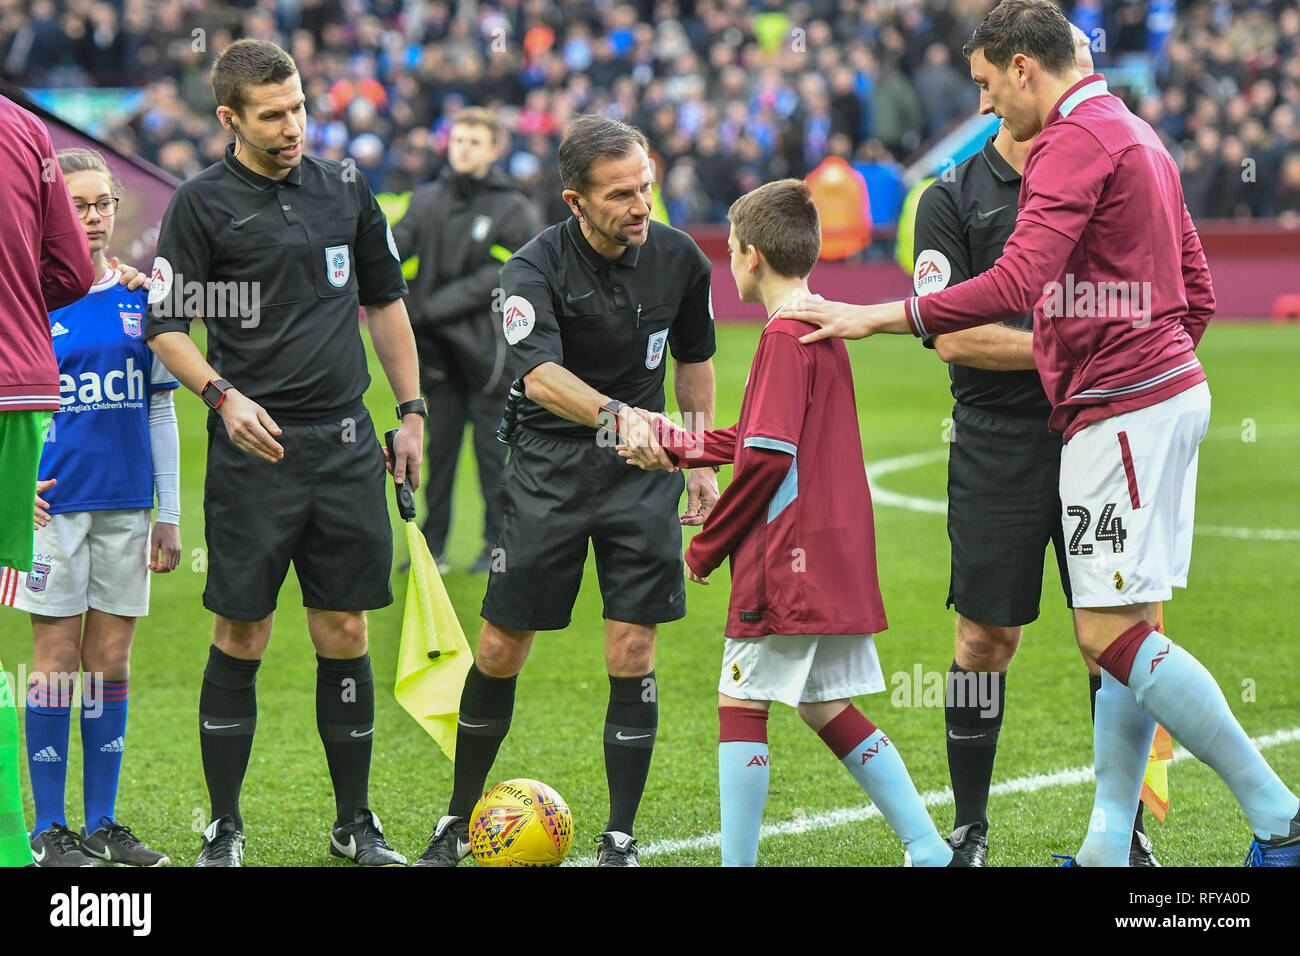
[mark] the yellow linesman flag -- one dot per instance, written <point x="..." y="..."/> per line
<point x="434" y="656"/>
<point x="1155" y="785"/>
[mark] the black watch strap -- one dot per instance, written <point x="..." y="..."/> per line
<point x="415" y="406"/>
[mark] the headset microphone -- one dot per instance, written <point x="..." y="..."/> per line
<point x="618" y="237"/>
<point x="274" y="151"/>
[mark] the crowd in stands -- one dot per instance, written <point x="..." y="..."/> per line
<point x="730" y="92"/>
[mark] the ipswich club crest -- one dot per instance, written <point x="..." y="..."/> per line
<point x="38" y="577"/>
<point x="338" y="266"/>
<point x="131" y="322"/>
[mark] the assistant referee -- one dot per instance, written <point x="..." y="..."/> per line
<point x="276" y="251"/>
<point x="590" y="308"/>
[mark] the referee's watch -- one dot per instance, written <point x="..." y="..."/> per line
<point x="214" y="393"/>
<point x="607" y="416"/>
<point x="415" y="406"/>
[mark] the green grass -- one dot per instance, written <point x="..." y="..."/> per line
<point x="1238" y="617"/>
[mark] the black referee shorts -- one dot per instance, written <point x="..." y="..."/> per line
<point x="1003" y="510"/>
<point x="323" y="507"/>
<point x="556" y="495"/>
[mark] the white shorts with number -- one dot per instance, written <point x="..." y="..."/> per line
<point x="1128" y="501"/>
<point x="800" y="668"/>
<point x="87" y="559"/>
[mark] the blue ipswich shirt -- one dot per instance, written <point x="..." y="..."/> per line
<point x="98" y="446"/>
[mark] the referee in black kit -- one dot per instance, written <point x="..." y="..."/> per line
<point x="1004" y="464"/>
<point x="590" y="307"/>
<point x="276" y="251"/>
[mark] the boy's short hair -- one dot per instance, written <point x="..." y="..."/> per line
<point x="478" y="116"/>
<point x="248" y="62"/>
<point x="780" y="219"/>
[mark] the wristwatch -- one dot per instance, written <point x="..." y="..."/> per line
<point x="415" y="406"/>
<point x="214" y="393"/>
<point x="607" y="416"/>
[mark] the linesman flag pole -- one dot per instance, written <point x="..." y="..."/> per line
<point x="433" y="657"/>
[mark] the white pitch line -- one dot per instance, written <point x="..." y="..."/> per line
<point x="828" y="819"/>
<point x="935" y="506"/>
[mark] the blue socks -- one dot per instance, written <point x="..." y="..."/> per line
<point x="48" y="722"/>
<point x="742" y="781"/>
<point x="103" y="736"/>
<point x="1173" y="687"/>
<point x="1122" y="733"/>
<point x="876" y="766"/>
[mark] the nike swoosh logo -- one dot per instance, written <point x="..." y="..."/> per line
<point x="463" y="724"/>
<point x="236" y="223"/>
<point x="208" y="726"/>
<point x="349" y="849"/>
<point x="461" y="848"/>
<point x="984" y="215"/>
<point x="960" y="737"/>
<point x="619" y="735"/>
<point x="574" y="298"/>
<point x="39" y="857"/>
<point x="104" y="855"/>
<point x="366" y="734"/>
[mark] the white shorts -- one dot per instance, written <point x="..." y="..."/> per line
<point x="88" y="559"/>
<point x="800" y="668"/>
<point x="1128" y="501"/>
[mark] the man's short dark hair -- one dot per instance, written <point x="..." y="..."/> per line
<point x="592" y="137"/>
<point x="246" y="63"/>
<point x="780" y="220"/>
<point x="1036" y="28"/>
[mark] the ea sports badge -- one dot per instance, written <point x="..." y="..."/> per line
<point x="517" y="319"/>
<point x="654" y="349"/>
<point x="38" y="577"/>
<point x="131" y="323"/>
<point x="160" y="280"/>
<point x="932" y="272"/>
<point x="338" y="266"/>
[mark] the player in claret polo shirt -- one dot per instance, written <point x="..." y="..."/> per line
<point x="112" y="443"/>
<point x="796" y="522"/>
<point x="1106" y="255"/>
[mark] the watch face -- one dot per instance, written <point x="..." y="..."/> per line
<point x="212" y="395"/>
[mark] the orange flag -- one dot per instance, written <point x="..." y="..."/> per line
<point x="1155" y="785"/>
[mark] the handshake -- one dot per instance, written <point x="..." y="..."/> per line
<point x="642" y="436"/>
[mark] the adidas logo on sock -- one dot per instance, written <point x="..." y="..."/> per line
<point x="114" y="746"/>
<point x="58" y="329"/>
<point x="46" y="755"/>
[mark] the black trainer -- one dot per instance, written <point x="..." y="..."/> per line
<point x="616" y="849"/>
<point x="970" y="845"/>
<point x="223" y="844"/>
<point x="116" y="845"/>
<point x="362" y="841"/>
<point x="56" y="845"/>
<point x="448" y="845"/>
<point x="1140" y="851"/>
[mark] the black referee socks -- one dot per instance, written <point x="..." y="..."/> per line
<point x="227" y="719"/>
<point x="486" y="705"/>
<point x="973" y="705"/>
<point x="345" y="718"/>
<point x="630" y="726"/>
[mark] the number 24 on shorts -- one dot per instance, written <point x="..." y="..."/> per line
<point x="1109" y="529"/>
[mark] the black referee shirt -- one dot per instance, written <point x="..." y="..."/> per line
<point x="277" y="269"/>
<point x="607" y="321"/>
<point x="961" y="226"/>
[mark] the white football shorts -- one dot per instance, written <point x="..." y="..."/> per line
<point x="1128" y="501"/>
<point x="800" y="668"/>
<point x="88" y="559"/>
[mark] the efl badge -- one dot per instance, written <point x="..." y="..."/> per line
<point x="131" y="323"/>
<point x="338" y="266"/>
<point x="654" y="349"/>
<point x="932" y="272"/>
<point x="37" y="577"/>
<point x="517" y="319"/>
<point x="479" y="230"/>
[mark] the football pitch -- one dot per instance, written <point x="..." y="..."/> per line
<point x="1239" y="616"/>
